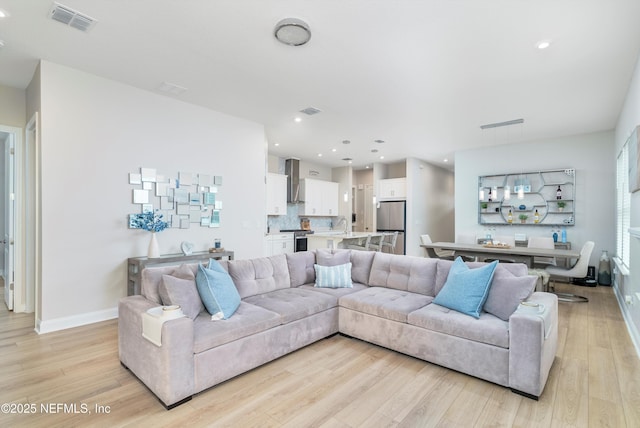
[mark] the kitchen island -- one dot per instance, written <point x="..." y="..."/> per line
<point x="337" y="239"/>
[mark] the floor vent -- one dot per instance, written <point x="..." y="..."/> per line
<point x="71" y="17"/>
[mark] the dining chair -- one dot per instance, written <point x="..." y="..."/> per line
<point x="442" y="254"/>
<point x="542" y="242"/>
<point x="466" y="238"/>
<point x="578" y="270"/>
<point x="388" y="242"/>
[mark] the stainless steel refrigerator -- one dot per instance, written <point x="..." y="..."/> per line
<point x="391" y="217"/>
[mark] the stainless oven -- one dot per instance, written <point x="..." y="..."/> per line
<point x="299" y="239"/>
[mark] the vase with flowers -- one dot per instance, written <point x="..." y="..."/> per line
<point x="152" y="222"/>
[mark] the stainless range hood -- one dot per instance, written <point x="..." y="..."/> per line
<point x="292" y="169"/>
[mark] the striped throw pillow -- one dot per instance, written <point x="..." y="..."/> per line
<point x="338" y="276"/>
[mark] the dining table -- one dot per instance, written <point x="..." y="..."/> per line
<point x="482" y="252"/>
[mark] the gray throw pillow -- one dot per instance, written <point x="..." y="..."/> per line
<point x="326" y="257"/>
<point x="506" y="293"/>
<point x="183" y="292"/>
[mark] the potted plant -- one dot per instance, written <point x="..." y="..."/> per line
<point x="523" y="218"/>
<point x="561" y="205"/>
<point x="484" y="206"/>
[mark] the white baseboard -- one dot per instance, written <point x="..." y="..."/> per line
<point x="63" y="323"/>
<point x="633" y="331"/>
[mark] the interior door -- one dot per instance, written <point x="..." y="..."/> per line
<point x="9" y="212"/>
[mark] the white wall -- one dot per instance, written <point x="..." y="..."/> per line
<point x="628" y="120"/>
<point x="93" y="133"/>
<point x="430" y="204"/>
<point x="592" y="157"/>
<point x="12" y="107"/>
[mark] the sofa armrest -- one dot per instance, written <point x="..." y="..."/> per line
<point x="531" y="354"/>
<point x="167" y="370"/>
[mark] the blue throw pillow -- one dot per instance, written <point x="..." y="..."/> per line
<point x="466" y="289"/>
<point x="217" y="292"/>
<point x="338" y="276"/>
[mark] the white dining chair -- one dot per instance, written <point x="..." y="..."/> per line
<point x="466" y="238"/>
<point x="442" y="254"/>
<point x="362" y="246"/>
<point x="388" y="242"/>
<point x="375" y="243"/>
<point x="542" y="242"/>
<point x="578" y="270"/>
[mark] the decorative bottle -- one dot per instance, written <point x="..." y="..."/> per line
<point x="559" y="193"/>
<point x="536" y="217"/>
<point x="555" y="236"/>
<point x="510" y="217"/>
<point x="564" y="236"/>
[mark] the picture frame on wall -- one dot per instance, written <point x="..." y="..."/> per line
<point x="634" y="160"/>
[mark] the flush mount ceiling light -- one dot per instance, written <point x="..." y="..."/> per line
<point x="292" y="32"/>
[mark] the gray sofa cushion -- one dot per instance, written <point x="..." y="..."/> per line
<point x="246" y="321"/>
<point x="152" y="276"/>
<point x="385" y="302"/>
<point x="443" y="266"/>
<point x="325" y="257"/>
<point x="293" y="303"/>
<point x="183" y="292"/>
<point x="408" y="273"/>
<point x="261" y="275"/>
<point x="361" y="262"/>
<point x="336" y="292"/>
<point x="301" y="267"/>
<point x="487" y="329"/>
<point x="506" y="293"/>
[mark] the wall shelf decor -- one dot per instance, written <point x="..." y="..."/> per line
<point x="541" y="198"/>
<point x="184" y="200"/>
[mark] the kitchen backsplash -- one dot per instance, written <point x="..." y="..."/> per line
<point x="292" y="220"/>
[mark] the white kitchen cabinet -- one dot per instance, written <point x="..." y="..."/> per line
<point x="279" y="243"/>
<point x="320" y="198"/>
<point x="392" y="188"/>
<point x="276" y="194"/>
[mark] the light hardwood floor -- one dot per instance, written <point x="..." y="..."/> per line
<point x="337" y="382"/>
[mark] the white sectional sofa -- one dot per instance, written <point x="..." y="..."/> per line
<point x="390" y="303"/>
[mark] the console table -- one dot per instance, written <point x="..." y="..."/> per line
<point x="135" y="265"/>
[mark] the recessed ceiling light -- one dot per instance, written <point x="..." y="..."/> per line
<point x="445" y="160"/>
<point x="381" y="157"/>
<point x="543" y="44"/>
<point x="298" y="119"/>
<point x="3" y="14"/>
<point x="334" y="150"/>
<point x="276" y="144"/>
<point x="367" y="166"/>
<point x="319" y="155"/>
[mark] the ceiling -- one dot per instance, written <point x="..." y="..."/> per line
<point x="422" y="76"/>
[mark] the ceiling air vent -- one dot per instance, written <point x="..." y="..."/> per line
<point x="71" y="17"/>
<point x="310" y="111"/>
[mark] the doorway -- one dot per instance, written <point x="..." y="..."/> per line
<point x="20" y="210"/>
<point x="9" y="137"/>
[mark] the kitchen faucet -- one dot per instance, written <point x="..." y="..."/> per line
<point x="340" y="220"/>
